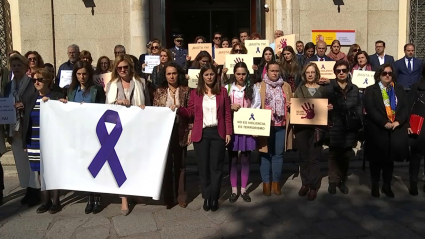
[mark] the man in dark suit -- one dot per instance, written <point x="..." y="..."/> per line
<point x="408" y="68"/>
<point x="179" y="54"/>
<point x="380" y="58"/>
<point x="321" y="48"/>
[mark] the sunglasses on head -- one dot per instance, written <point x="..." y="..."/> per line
<point x="385" y="73"/>
<point x="155" y="47"/>
<point x="121" y="68"/>
<point x="341" y="70"/>
<point x="38" y="80"/>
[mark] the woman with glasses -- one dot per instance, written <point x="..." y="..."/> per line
<point x="43" y="81"/>
<point x="126" y="89"/>
<point x="164" y="58"/>
<point x="35" y="61"/>
<point x="352" y="53"/>
<point x="238" y="48"/>
<point x="155" y="50"/>
<point x="336" y="54"/>
<point x="386" y="128"/>
<point x="21" y="87"/>
<point x="345" y="120"/>
<point x="84" y="90"/>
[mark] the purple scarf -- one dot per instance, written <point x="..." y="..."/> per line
<point x="274" y="95"/>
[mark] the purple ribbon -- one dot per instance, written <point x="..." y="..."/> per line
<point x="107" y="151"/>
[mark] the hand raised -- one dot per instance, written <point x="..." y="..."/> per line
<point x="309" y="110"/>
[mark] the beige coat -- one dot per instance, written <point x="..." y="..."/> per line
<point x="262" y="141"/>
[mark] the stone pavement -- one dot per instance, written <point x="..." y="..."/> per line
<point x="356" y="215"/>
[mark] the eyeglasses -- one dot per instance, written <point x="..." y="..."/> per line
<point x="217" y="38"/>
<point x="341" y="70"/>
<point x="385" y="73"/>
<point x="356" y="50"/>
<point x="32" y="59"/>
<point x="122" y="68"/>
<point x="155" y="47"/>
<point x="38" y="80"/>
<point x="238" y="50"/>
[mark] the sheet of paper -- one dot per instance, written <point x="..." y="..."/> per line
<point x="256" y="47"/>
<point x="7" y="111"/>
<point x="363" y="79"/>
<point x="232" y="59"/>
<point x="252" y="122"/>
<point x="326" y="69"/>
<point x="65" y="78"/>
<point x="309" y="111"/>
<point x="193" y="78"/>
<point x="151" y="62"/>
<point x="194" y="49"/>
<point x="282" y="42"/>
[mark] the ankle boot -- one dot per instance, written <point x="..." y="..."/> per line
<point x="34" y="197"/>
<point x="332" y="188"/>
<point x="276" y="188"/>
<point x="24" y="200"/>
<point x="375" y="190"/>
<point x="266" y="189"/>
<point x="97" y="205"/>
<point x="343" y="187"/>
<point x="386" y="189"/>
<point x="413" y="190"/>
<point x="90" y="204"/>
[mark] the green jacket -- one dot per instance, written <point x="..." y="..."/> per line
<point x="96" y="91"/>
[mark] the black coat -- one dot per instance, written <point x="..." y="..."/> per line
<point x="381" y="143"/>
<point x="343" y="101"/>
<point x="415" y="98"/>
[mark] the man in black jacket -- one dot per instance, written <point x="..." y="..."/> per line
<point x="380" y="58"/>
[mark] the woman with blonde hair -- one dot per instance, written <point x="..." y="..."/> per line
<point x="165" y="57"/>
<point x="127" y="89"/>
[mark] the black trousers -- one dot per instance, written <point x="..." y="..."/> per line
<point x="174" y="184"/>
<point x="387" y="168"/>
<point x="1" y="177"/>
<point x="415" y="164"/>
<point x="338" y="162"/>
<point x="310" y="158"/>
<point x="210" y="153"/>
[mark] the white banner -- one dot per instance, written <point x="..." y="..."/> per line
<point x="129" y="161"/>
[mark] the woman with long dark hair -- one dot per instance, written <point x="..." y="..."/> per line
<point x="84" y="90"/>
<point x="291" y="71"/>
<point x="260" y="71"/>
<point x="209" y="106"/>
<point x="352" y="52"/>
<point x="361" y="61"/>
<point x="172" y="90"/>
<point x="243" y="94"/>
<point x="309" y="51"/>
<point x="35" y="61"/>
<point x="201" y="59"/>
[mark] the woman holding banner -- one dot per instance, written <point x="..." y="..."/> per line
<point x="83" y="90"/>
<point x="172" y="90"/>
<point x="126" y="89"/>
<point x="291" y="71"/>
<point x="306" y="136"/>
<point x="243" y="94"/>
<point x="386" y="128"/>
<point x="43" y="81"/>
<point x="21" y="87"/>
<point x="209" y="106"/>
<point x="276" y="96"/>
<point x="164" y="58"/>
<point x="345" y="121"/>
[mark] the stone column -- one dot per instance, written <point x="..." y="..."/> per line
<point x="139" y="26"/>
<point x="279" y="17"/>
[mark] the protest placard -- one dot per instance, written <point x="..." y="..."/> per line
<point x="249" y="121"/>
<point x="326" y="69"/>
<point x="282" y="42"/>
<point x="363" y="79"/>
<point x="309" y="111"/>
<point x="256" y="47"/>
<point x="151" y="62"/>
<point x="195" y="48"/>
<point x="193" y="78"/>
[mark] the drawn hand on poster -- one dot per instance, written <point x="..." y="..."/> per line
<point x="309" y="110"/>
<point x="283" y="43"/>
<point x="237" y="60"/>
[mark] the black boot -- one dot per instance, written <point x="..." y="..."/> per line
<point x="207" y="204"/>
<point x="34" y="198"/>
<point x="375" y="190"/>
<point x="24" y="200"/>
<point x="332" y="188"/>
<point x="90" y="204"/>
<point x="342" y="187"/>
<point x="386" y="189"/>
<point x="214" y="205"/>
<point x="413" y="190"/>
<point x="97" y="205"/>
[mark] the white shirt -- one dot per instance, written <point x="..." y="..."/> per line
<point x="318" y="58"/>
<point x="381" y="59"/>
<point x="209" y="111"/>
<point x="407" y="63"/>
<point x="239" y="93"/>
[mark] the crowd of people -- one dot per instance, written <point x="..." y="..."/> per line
<point x="378" y="116"/>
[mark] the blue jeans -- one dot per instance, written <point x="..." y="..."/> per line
<point x="272" y="161"/>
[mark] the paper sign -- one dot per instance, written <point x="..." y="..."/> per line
<point x="282" y="42"/>
<point x="194" y="49"/>
<point x="326" y="69"/>
<point x="193" y="78"/>
<point x="256" y="47"/>
<point x="220" y="55"/>
<point x="151" y="62"/>
<point x="65" y="78"/>
<point x="309" y="111"/>
<point x="102" y="79"/>
<point x="249" y="121"/>
<point x="7" y="111"/>
<point x="363" y="79"/>
<point x="232" y="59"/>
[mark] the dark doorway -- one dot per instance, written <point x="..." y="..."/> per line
<point x="194" y="18"/>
